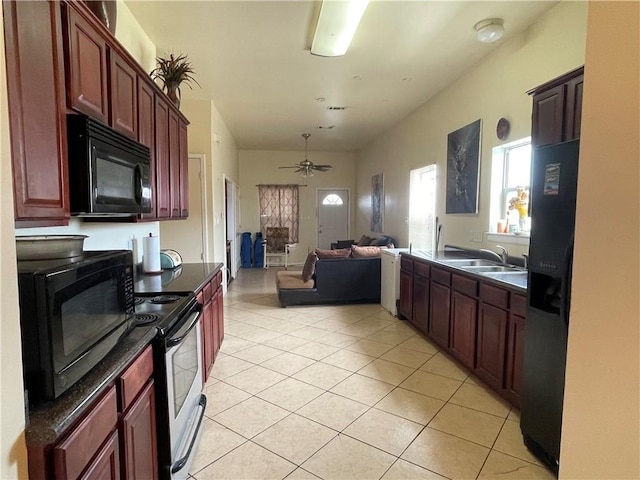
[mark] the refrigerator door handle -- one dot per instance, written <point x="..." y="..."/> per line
<point x="565" y="288"/>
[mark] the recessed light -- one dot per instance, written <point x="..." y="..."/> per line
<point x="320" y="99"/>
<point x="357" y="77"/>
<point x="489" y="30"/>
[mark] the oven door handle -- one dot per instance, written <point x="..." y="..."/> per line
<point x="181" y="462"/>
<point x="185" y="329"/>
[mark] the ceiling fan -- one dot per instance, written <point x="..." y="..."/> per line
<point x="306" y="167"/>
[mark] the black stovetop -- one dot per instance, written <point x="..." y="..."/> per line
<point x="161" y="310"/>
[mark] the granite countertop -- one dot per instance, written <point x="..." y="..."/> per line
<point x="515" y="281"/>
<point x="188" y="277"/>
<point x="47" y="422"/>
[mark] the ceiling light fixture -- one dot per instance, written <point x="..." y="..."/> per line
<point x="337" y="23"/>
<point x="489" y="30"/>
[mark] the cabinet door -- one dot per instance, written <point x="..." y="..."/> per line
<point x="184" y="171"/>
<point x="123" y="96"/>
<point x="86" y="67"/>
<point x="37" y="116"/>
<point x="439" y="310"/>
<point x="220" y="311"/>
<point x="106" y="466"/>
<point x="548" y="116"/>
<point x="162" y="192"/>
<point x="74" y="454"/>
<point x="146" y="133"/>
<point x="207" y="339"/>
<point x="492" y="331"/>
<point x="215" y="321"/>
<point x="464" y="312"/>
<point x="515" y="358"/>
<point x="174" y="164"/>
<point x="573" y="114"/>
<point x="406" y="295"/>
<point x="139" y="437"/>
<point x="421" y="303"/>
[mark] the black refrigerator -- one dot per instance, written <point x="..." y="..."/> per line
<point x="553" y="212"/>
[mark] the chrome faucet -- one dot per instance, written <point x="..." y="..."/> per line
<point x="502" y="257"/>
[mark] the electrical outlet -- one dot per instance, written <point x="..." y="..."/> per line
<point x="476" y="236"/>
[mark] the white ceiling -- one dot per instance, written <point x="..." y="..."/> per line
<point x="252" y="58"/>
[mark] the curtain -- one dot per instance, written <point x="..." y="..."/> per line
<point x="279" y="207"/>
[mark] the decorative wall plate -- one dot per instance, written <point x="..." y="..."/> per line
<point x="502" y="129"/>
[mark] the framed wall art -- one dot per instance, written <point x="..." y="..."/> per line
<point x="377" y="203"/>
<point x="463" y="168"/>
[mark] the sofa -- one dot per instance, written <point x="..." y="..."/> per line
<point x="336" y="280"/>
<point x="380" y="241"/>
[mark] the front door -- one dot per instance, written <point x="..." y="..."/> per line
<point x="333" y="216"/>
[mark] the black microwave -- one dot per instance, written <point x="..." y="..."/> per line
<point x="109" y="173"/>
<point x="72" y="313"/>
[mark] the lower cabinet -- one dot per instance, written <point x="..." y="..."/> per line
<point x="492" y="344"/>
<point x="212" y="323"/>
<point x="115" y="438"/>
<point x="476" y="321"/>
<point x="439" y="313"/>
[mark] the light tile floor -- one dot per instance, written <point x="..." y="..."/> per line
<point x="346" y="392"/>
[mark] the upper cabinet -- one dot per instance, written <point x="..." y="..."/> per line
<point x="37" y="113"/>
<point x="86" y="62"/>
<point x="60" y="60"/>
<point x="557" y="109"/>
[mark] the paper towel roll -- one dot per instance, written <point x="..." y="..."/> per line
<point x="151" y="255"/>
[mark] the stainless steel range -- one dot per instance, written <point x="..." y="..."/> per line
<point x="178" y="376"/>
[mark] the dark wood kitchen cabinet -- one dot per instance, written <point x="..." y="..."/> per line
<point x="37" y="112"/>
<point x="123" y="98"/>
<point x="557" y="109"/>
<point x="212" y="323"/>
<point x="147" y="136"/>
<point x="184" y="169"/>
<point x="115" y="437"/>
<point x="405" y="304"/>
<point x="86" y="63"/>
<point x="174" y="165"/>
<point x="515" y="349"/>
<point x="440" y="306"/>
<point x="162" y="185"/>
<point x="421" y="295"/>
<point x="477" y="321"/>
<point x="492" y="335"/>
<point x="464" y="312"/>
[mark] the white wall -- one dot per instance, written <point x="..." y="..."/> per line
<point x="261" y="167"/>
<point x="491" y="90"/>
<point x="601" y="424"/>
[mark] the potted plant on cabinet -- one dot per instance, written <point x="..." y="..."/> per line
<point x="173" y="71"/>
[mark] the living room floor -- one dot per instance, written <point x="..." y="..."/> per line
<point x="346" y="392"/>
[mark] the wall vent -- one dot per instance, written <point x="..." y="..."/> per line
<point x="336" y="107"/>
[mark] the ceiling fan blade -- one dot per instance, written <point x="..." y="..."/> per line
<point x="321" y="169"/>
<point x="322" y="166"/>
<point x="300" y="170"/>
<point x="293" y="166"/>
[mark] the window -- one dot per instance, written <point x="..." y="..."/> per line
<point x="332" y="199"/>
<point x="279" y="207"/>
<point x="510" y="175"/>
<point x="422" y="208"/>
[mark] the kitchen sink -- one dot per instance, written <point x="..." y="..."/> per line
<point x="494" y="269"/>
<point x="469" y="263"/>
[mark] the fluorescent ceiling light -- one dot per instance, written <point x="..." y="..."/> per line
<point x="337" y="23"/>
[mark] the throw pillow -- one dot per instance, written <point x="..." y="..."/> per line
<point x="309" y="266"/>
<point x="338" y="253"/>
<point x="362" y="252"/>
<point x="364" y="240"/>
<point x="373" y="242"/>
